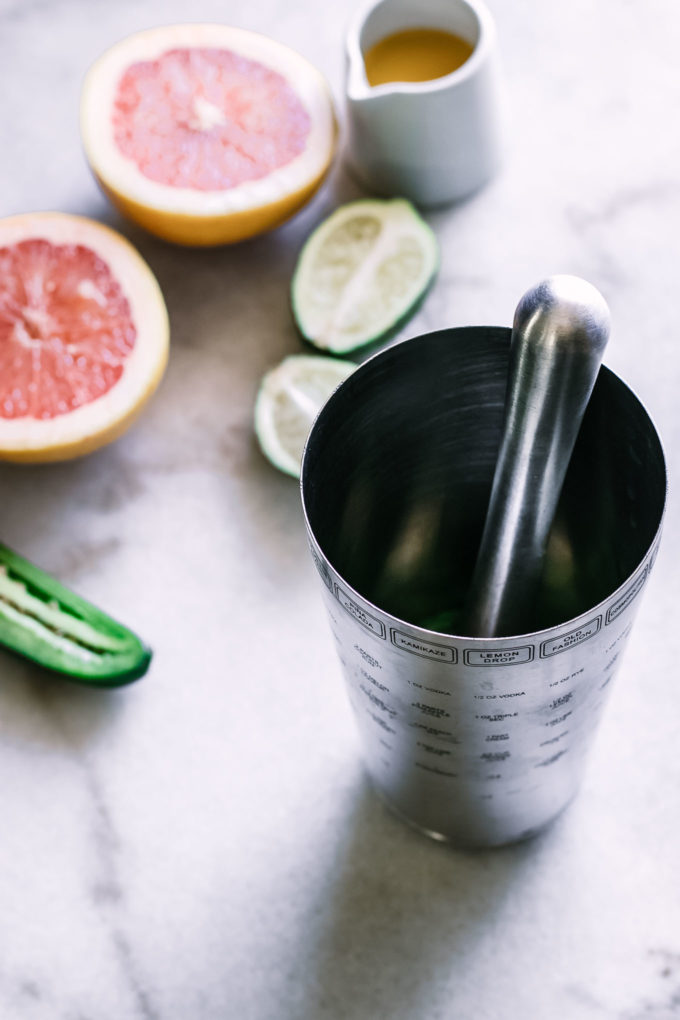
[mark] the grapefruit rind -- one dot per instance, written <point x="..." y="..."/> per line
<point x="288" y="400"/>
<point x="196" y="217"/>
<point x="362" y="274"/>
<point x="45" y="622"/>
<point x="102" y="420"/>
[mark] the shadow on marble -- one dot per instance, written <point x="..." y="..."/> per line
<point x="47" y="712"/>
<point x="398" y="917"/>
<point x="253" y="274"/>
<point x="46" y="500"/>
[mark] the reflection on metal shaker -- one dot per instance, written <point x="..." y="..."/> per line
<point x="481" y="741"/>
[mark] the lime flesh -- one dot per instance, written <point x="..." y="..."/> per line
<point x="289" y="399"/>
<point x="362" y="274"/>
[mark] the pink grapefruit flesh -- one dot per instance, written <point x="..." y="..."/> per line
<point x="65" y="328"/>
<point x="83" y="335"/>
<point x="207" y="119"/>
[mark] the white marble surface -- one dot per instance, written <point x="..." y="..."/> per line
<point x="203" y="845"/>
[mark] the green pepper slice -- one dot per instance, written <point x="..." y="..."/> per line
<point x="45" y="622"/>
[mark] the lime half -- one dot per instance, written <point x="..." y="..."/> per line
<point x="362" y="274"/>
<point x="289" y="399"/>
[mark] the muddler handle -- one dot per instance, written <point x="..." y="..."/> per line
<point x="559" y="334"/>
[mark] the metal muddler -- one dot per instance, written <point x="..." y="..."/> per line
<point x="560" y="331"/>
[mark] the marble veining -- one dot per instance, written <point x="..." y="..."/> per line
<point x="204" y="845"/>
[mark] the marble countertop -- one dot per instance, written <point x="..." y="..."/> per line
<point x="204" y="845"/>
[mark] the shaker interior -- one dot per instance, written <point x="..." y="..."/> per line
<point x="398" y="469"/>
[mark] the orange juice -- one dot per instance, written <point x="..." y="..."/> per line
<point x="415" y="54"/>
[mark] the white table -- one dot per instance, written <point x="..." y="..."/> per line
<point x="204" y="845"/>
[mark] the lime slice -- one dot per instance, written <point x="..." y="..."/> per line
<point x="45" y="622"/>
<point x="362" y="274"/>
<point x="289" y="399"/>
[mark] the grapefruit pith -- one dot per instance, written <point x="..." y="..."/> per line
<point x="83" y="336"/>
<point x="206" y="134"/>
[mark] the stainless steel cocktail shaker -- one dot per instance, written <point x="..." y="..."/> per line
<point x="481" y="741"/>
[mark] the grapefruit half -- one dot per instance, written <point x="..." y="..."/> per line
<point x="83" y="336"/>
<point x="206" y="134"/>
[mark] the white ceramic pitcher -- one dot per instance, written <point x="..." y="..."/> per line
<point x="435" y="141"/>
